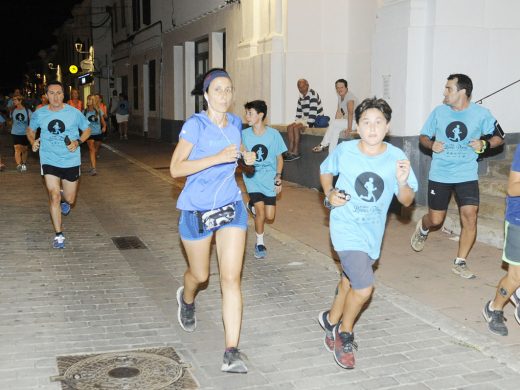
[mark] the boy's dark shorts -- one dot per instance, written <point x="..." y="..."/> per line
<point x="255" y="197"/>
<point x="439" y="194"/>
<point x="71" y="174"/>
<point x="20" y="140"/>
<point x="96" y="137"/>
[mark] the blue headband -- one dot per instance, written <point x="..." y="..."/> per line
<point x="212" y="76"/>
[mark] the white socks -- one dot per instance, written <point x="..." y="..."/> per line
<point x="260" y="239"/>
<point x="459" y="260"/>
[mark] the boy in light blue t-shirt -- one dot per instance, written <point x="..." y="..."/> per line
<point x="370" y="173"/>
<point x="266" y="182"/>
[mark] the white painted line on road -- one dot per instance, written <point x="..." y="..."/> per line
<point x="142" y="165"/>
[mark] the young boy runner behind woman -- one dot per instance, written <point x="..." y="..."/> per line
<point x="266" y="182"/>
<point x="370" y="173"/>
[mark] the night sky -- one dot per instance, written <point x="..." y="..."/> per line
<point x="27" y="27"/>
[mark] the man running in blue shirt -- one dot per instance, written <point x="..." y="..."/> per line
<point x="453" y="133"/>
<point x="60" y="156"/>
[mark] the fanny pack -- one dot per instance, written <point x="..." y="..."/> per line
<point x="213" y="219"/>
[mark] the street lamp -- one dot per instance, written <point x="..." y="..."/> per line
<point x="78" y="45"/>
<point x="86" y="65"/>
<point x="57" y="69"/>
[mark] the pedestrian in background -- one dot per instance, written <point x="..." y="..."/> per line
<point x="74" y="100"/>
<point x="308" y="108"/>
<point x="112" y="108"/>
<point x="122" y="115"/>
<point x="20" y="116"/>
<point x="98" y="127"/>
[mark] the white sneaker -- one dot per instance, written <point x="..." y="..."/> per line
<point x="462" y="269"/>
<point x="24" y="168"/>
<point x="418" y="239"/>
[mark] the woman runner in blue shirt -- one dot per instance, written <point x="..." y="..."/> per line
<point x="211" y="202"/>
<point x="94" y="114"/>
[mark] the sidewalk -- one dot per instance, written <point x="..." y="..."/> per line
<point x="422" y="330"/>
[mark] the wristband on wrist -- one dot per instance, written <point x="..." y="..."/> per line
<point x="484" y="145"/>
<point x="327" y="204"/>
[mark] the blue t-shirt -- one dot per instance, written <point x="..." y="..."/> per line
<point x="458" y="162"/>
<point x="94" y="121"/>
<point x="55" y="126"/>
<point x="513" y="202"/>
<point x="214" y="186"/>
<point x="20" y="120"/>
<point x="123" y="108"/>
<point x="267" y="147"/>
<point x="371" y="182"/>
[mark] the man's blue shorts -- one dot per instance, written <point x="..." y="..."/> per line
<point x="189" y="224"/>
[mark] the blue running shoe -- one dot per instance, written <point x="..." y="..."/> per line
<point x="260" y="251"/>
<point x="59" y="242"/>
<point x="65" y="207"/>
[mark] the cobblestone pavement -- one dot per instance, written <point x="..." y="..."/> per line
<point x="92" y="298"/>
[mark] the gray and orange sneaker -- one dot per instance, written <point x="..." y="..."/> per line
<point x="344" y="346"/>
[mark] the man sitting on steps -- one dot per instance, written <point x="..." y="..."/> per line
<point x="308" y="107"/>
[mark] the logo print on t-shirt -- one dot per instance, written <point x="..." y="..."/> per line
<point x="369" y="186"/>
<point x="20" y="117"/>
<point x="92" y="118"/>
<point x="56" y="126"/>
<point x="456" y="131"/>
<point x="261" y="152"/>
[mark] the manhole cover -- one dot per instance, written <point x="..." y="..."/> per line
<point x="128" y="242"/>
<point x="154" y="369"/>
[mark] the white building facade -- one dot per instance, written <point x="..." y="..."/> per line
<point x="401" y="50"/>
